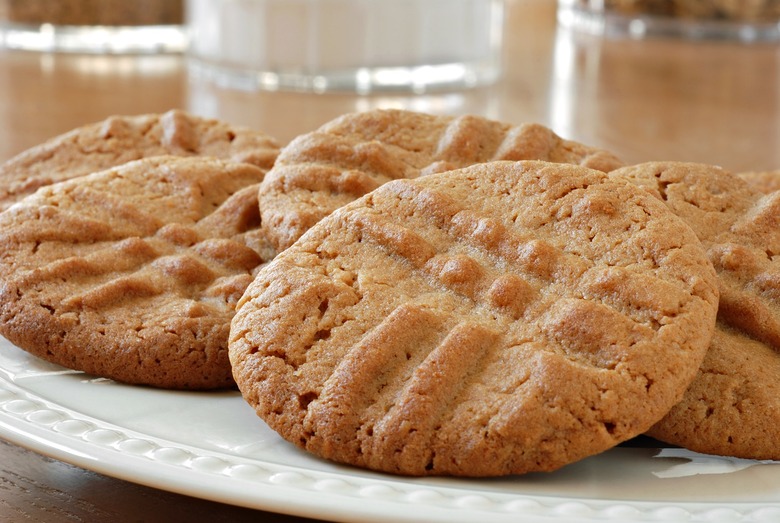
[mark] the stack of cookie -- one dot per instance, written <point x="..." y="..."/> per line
<point x="733" y="406"/>
<point x="409" y="293"/>
<point x="132" y="272"/>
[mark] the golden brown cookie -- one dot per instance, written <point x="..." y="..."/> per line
<point x="120" y="139"/>
<point x="133" y="273"/>
<point x="502" y="318"/>
<point x="732" y="407"/>
<point x="740" y="228"/>
<point x="356" y="153"/>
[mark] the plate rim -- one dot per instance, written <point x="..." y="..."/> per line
<point x="49" y="428"/>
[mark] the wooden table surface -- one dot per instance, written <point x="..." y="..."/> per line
<point x="713" y="102"/>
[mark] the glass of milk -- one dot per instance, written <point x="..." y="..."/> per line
<point x="358" y="46"/>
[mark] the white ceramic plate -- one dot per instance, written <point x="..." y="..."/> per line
<point x="211" y="445"/>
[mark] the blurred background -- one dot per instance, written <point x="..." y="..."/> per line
<point x="597" y="72"/>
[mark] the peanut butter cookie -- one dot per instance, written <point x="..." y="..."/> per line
<point x="740" y="228"/>
<point x="356" y="153"/>
<point x="498" y="319"/>
<point x="133" y="273"/>
<point x="120" y="139"/>
<point x="732" y="407"/>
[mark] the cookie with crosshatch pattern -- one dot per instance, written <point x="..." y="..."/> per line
<point x="499" y="319"/>
<point x="732" y="407"/>
<point x="133" y="273"/>
<point x="355" y="153"/>
<point x="120" y="139"/>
